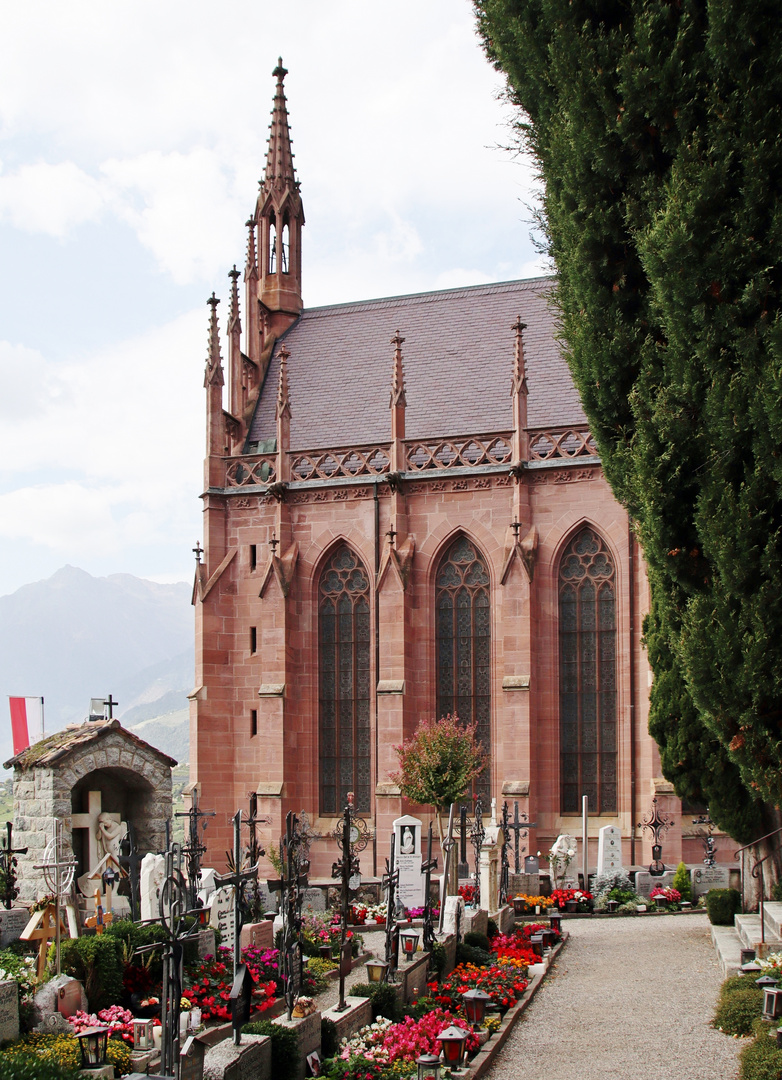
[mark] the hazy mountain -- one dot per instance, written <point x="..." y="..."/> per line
<point x="74" y="636"/>
<point x="169" y="732"/>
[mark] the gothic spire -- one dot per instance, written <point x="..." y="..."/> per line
<point x="519" y="382"/>
<point x="251" y="265"/>
<point x="397" y="373"/>
<point x="233" y="311"/>
<point x="283" y="390"/>
<point x="213" y="375"/>
<point x="279" y="158"/>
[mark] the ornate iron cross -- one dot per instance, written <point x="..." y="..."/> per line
<point x="352" y="836"/>
<point x="195" y="848"/>
<point x="291" y="887"/>
<point x="130" y="862"/>
<point x="8" y="867"/>
<point x="448" y="845"/>
<point x="520" y="824"/>
<point x="389" y="883"/>
<point x="237" y="877"/>
<point x="477" y="836"/>
<point x="428" y="866"/>
<point x="657" y="824"/>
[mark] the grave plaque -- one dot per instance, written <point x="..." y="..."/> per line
<point x="191" y="1060"/>
<point x="223" y="915"/>
<point x="314" y="900"/>
<point x="531" y="864"/>
<point x="12" y="923"/>
<point x="9" y="1009"/>
<point x="454" y="915"/>
<point x="410" y="890"/>
<point x="645" y="882"/>
<point x="609" y="850"/>
<point x="241" y="997"/>
<point x="70" y="998"/>
<point x="709" y="877"/>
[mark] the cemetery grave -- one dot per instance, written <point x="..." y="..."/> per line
<point x="171" y="970"/>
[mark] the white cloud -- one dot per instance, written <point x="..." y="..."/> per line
<point x="50" y="199"/>
<point x="29" y="384"/>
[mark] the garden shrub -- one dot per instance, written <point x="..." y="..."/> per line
<point x="776" y="891"/>
<point x="477" y="940"/>
<point x="722" y="905"/>
<point x="285" y="1047"/>
<point x="612" y="879"/>
<point x="96" y="962"/>
<point x="468" y="954"/>
<point x="315" y="975"/>
<point x="32" y="1068"/>
<point x="682" y="882"/>
<point x="738" y="1009"/>
<point x="491" y="929"/>
<point x="762" y="1059"/>
<point x="329" y="1039"/>
<point x="383" y="997"/>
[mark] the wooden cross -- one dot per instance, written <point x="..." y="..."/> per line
<point x="44" y="927"/>
<point x="101" y="919"/>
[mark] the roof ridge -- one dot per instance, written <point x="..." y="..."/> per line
<point x="431" y="295"/>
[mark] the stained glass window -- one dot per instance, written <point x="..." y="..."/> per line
<point x="343" y="634"/>
<point x="587" y="675"/>
<point x="463" y="628"/>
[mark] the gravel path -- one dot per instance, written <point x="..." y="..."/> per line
<point x="629" y="999"/>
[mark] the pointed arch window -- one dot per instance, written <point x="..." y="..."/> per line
<point x="587" y="675"/>
<point x="344" y="640"/>
<point x="272" y="245"/>
<point x="285" y="248"/>
<point x="463" y="628"/>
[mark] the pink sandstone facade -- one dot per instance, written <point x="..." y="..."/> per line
<point x="392" y="440"/>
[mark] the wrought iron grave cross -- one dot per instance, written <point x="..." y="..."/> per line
<point x="237" y="877"/>
<point x="428" y="866"/>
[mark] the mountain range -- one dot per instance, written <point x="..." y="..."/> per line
<point x="73" y="637"/>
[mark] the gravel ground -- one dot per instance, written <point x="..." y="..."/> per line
<point x="374" y="942"/>
<point x="629" y="999"/>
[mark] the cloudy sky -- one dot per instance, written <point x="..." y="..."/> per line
<point x="132" y="139"/>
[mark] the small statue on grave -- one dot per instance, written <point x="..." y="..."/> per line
<point x="408" y="843"/>
<point x="110" y="834"/>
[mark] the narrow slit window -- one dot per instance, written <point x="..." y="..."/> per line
<point x="253" y="557"/>
<point x="253" y="639"/>
<point x="253" y="722"/>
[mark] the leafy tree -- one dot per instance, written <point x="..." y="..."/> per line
<point x="438" y="763"/>
<point x="656" y="130"/>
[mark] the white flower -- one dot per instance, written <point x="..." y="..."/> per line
<point x="570" y="852"/>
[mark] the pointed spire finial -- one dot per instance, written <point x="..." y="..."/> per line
<point x="251" y="265"/>
<point x="397" y="373"/>
<point x="283" y="390"/>
<point x="519" y="381"/>
<point x="279" y="157"/>
<point x="233" y="311"/>
<point x="214" y="365"/>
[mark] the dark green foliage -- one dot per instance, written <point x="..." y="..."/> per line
<point x="739" y="1009"/>
<point x="329" y="1039"/>
<point x="491" y="929"/>
<point x="477" y="940"/>
<point x="776" y="891"/>
<point x="735" y="984"/>
<point x="384" y="998"/>
<point x="97" y="962"/>
<point x="469" y="954"/>
<point x="421" y="1007"/>
<point x="438" y="958"/>
<point x="132" y="937"/>
<point x="762" y="1059"/>
<point x="285" y="1047"/>
<point x="722" y="905"/>
<point x="683" y="882"/>
<point x="655" y="128"/>
<point x="35" y="1069"/>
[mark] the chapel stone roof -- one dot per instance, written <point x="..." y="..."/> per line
<point x="54" y="749"/>
<point x="458" y="361"/>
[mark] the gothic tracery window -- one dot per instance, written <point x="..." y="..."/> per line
<point x="344" y="639"/>
<point x="463" y="629"/>
<point x="587" y="675"/>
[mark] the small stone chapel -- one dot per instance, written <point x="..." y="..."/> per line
<point x="95" y="778"/>
<point x="405" y="515"/>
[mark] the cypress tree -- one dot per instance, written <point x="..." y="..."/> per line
<point x="656" y="129"/>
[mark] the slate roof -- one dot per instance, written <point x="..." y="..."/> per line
<point x="54" y="748"/>
<point x="458" y="360"/>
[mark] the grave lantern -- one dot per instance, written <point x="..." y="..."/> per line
<point x="555" y="921"/>
<point x="519" y="905"/>
<point x="765" y="980"/>
<point x="752" y="968"/>
<point x="772" y="1003"/>
<point x="536" y="943"/>
<point x="747" y="956"/>
<point x="92" y="1044"/>
<point x="475" y="1002"/>
<point x="611" y="906"/>
<point x="452" y="1040"/>
<point x="325" y="952"/>
<point x="142" y="1034"/>
<point x="409" y="939"/>
<point x="428" y="1067"/>
<point x="377" y="970"/>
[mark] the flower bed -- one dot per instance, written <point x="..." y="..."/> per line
<point x="504" y="982"/>
<point x="117" y="1019"/>
<point x="63" y="1050"/>
<point x="583" y="899"/>
<point x="208" y="984"/>
<point x="532" y="902"/>
<point x="669" y="894"/>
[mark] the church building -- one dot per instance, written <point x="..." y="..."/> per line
<point x="405" y="516"/>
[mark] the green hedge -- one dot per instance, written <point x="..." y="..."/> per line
<point x="738" y="1006"/>
<point x="285" y="1047"/>
<point x="762" y="1059"/>
<point x="722" y="905"/>
<point x="383" y="996"/>
<point x="96" y="961"/>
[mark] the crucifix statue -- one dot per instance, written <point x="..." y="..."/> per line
<point x="238" y="877"/>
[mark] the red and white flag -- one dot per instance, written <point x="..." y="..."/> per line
<point x="26" y="721"/>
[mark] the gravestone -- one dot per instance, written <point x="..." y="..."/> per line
<point x="531" y="864"/>
<point x="54" y="1024"/>
<point x="223" y="915"/>
<point x="454" y="913"/>
<point x="709" y="877"/>
<point x="645" y="882"/>
<point x="191" y="1059"/>
<point x="71" y="999"/>
<point x="609" y="850"/>
<point x="9" y="1010"/>
<point x="153" y="872"/>
<point x="314" y="900"/>
<point x="207" y="886"/>
<point x="12" y="923"/>
<point x="407" y="830"/>
<point x="46" y="1000"/>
